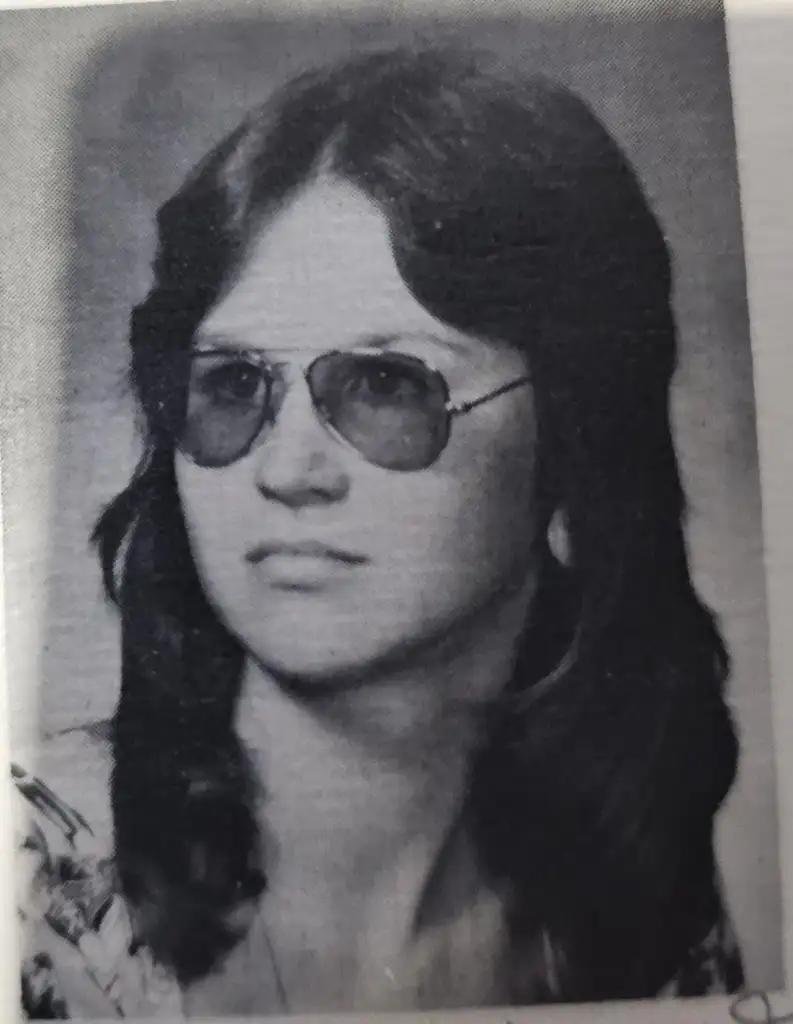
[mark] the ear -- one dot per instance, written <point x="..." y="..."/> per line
<point x="559" y="538"/>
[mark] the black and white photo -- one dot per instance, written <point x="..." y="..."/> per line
<point x="402" y="638"/>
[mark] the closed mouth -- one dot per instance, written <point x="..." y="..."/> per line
<point x="309" y="549"/>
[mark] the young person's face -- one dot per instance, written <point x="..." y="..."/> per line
<point x="410" y="555"/>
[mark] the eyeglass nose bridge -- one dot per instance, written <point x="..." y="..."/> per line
<point x="282" y="376"/>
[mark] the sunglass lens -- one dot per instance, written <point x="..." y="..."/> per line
<point x="391" y="407"/>
<point x="227" y="403"/>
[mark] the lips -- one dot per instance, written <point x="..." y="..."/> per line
<point x="303" y="550"/>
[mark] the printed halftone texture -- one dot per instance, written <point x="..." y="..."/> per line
<point x="104" y="110"/>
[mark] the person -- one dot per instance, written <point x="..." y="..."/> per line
<point x="419" y="707"/>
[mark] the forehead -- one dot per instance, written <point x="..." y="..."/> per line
<point x="321" y="275"/>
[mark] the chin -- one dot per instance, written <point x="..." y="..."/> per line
<point x="340" y="659"/>
<point x="302" y="672"/>
<point x="311" y="664"/>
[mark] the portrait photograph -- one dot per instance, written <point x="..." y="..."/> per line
<point x="386" y="608"/>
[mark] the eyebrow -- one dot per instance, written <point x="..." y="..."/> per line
<point x="210" y="341"/>
<point x="380" y="341"/>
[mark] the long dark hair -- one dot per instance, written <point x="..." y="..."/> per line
<point x="512" y="214"/>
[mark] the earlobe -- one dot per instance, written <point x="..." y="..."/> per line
<point x="559" y="538"/>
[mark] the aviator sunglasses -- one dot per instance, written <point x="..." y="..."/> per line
<point x="393" y="409"/>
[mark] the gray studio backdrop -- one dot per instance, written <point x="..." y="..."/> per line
<point x="133" y="96"/>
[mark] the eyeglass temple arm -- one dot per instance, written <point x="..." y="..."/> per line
<point x="459" y="408"/>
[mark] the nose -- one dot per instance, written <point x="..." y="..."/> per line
<point x="299" y="464"/>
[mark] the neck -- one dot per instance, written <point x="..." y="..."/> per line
<point x="331" y="803"/>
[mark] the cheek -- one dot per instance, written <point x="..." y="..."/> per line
<point x="493" y="529"/>
<point x="468" y="527"/>
<point x="495" y="463"/>
<point x="211" y="506"/>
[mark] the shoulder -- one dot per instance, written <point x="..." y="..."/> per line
<point x="76" y="766"/>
